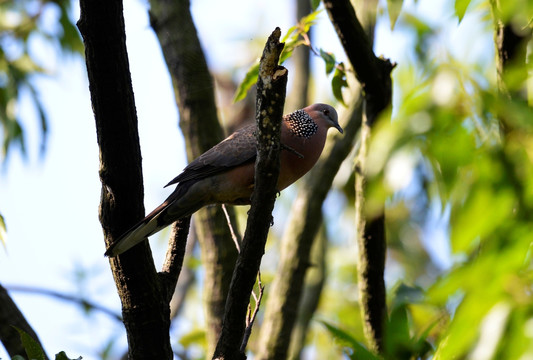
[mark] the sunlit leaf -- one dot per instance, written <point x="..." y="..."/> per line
<point x="309" y="20"/>
<point x="357" y="350"/>
<point x="249" y="80"/>
<point x="394" y="7"/>
<point x="196" y="336"/>
<point x="460" y="8"/>
<point x="3" y="233"/>
<point x="483" y="212"/>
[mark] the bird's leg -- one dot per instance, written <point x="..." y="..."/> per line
<point x="287" y="147"/>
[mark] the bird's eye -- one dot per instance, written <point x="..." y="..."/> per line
<point x="325" y="112"/>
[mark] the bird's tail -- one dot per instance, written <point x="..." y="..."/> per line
<point x="151" y="224"/>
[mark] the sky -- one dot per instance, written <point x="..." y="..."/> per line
<point x="50" y="204"/>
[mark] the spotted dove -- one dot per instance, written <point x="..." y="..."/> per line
<point x="225" y="173"/>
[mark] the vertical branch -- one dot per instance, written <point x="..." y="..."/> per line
<point x="145" y="311"/>
<point x="374" y="75"/>
<point x="371" y="256"/>
<point x="194" y="90"/>
<point x="271" y="85"/>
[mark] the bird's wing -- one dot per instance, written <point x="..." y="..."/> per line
<point x="237" y="149"/>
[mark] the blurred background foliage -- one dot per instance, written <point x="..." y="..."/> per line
<point x="453" y="159"/>
<point x="30" y="29"/>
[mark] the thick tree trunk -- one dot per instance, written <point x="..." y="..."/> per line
<point x="144" y="307"/>
<point x="374" y="75"/>
<point x="194" y="90"/>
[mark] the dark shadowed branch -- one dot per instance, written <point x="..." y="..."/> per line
<point x="271" y="87"/>
<point x="145" y="310"/>
<point x="374" y="75"/>
<point x="11" y="317"/>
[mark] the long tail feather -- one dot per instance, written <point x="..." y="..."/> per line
<point x="140" y="231"/>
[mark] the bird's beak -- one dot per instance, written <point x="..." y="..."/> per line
<point x="338" y="127"/>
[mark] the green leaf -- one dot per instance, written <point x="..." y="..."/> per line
<point x="249" y="80"/>
<point x="338" y="82"/>
<point x="195" y="336"/>
<point x="468" y="225"/>
<point x="358" y="350"/>
<point x="397" y="334"/>
<point x="330" y="60"/>
<point x="309" y="20"/>
<point x="3" y="233"/>
<point x="460" y="8"/>
<point x="315" y="4"/>
<point x="32" y="347"/>
<point x="394" y="7"/>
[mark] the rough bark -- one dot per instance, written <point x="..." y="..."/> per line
<point x="11" y="317"/>
<point x="145" y="311"/>
<point x="286" y="289"/>
<point x="194" y="90"/>
<point x="374" y="75"/>
<point x="271" y="87"/>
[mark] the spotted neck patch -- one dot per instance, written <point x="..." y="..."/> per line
<point x="301" y="124"/>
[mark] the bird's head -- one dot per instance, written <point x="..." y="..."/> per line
<point x="324" y="115"/>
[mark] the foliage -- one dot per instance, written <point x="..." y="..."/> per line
<point x="22" y="24"/>
<point x="298" y="35"/>
<point x="446" y="137"/>
<point x="34" y="350"/>
<point x="2" y="230"/>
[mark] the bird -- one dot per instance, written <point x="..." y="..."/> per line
<point x="225" y="173"/>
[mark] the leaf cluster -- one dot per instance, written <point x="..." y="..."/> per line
<point x="22" y="24"/>
<point x="296" y="36"/>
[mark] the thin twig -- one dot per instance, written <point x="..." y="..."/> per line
<point x="236" y="239"/>
<point x="250" y="318"/>
<point x="86" y="304"/>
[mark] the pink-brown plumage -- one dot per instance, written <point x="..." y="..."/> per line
<point x="225" y="173"/>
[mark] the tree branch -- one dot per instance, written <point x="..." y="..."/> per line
<point x="10" y="317"/>
<point x="271" y="87"/>
<point x="85" y="304"/>
<point x="144" y="309"/>
<point x="374" y="75"/>
<point x="174" y="257"/>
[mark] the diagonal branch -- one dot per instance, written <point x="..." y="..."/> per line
<point x="10" y="317"/>
<point x="271" y="87"/>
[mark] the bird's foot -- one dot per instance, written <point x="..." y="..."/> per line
<point x="287" y="147"/>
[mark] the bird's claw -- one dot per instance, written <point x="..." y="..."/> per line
<point x="287" y="147"/>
